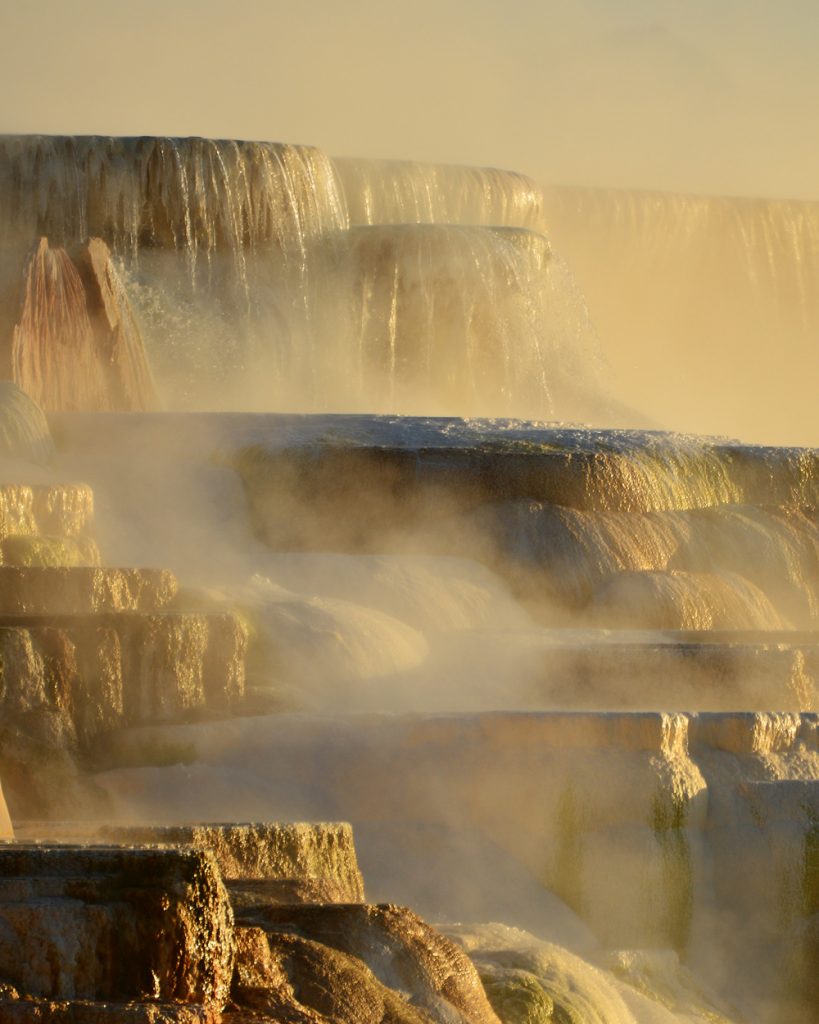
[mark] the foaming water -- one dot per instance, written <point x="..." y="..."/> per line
<point x="644" y="987"/>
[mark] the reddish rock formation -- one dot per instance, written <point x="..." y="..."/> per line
<point x="76" y="344"/>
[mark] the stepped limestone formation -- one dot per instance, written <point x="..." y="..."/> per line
<point x="217" y="922"/>
<point x="560" y="682"/>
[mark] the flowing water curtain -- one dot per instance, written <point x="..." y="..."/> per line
<point x="405" y="192"/>
<point x="195" y="194"/>
<point x="227" y="226"/>
<point x="449" y="319"/>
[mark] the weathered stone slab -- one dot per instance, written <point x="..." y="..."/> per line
<point x="99" y="672"/>
<point x="262" y="862"/>
<point x="46" y="590"/>
<point x="110" y="924"/>
<point x="35" y="550"/>
<point x="64" y="510"/>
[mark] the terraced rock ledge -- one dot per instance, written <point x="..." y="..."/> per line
<point x="150" y="933"/>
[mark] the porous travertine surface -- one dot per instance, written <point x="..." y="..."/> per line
<point x="47" y="525"/>
<point x="68" y="679"/>
<point x="286" y="977"/>
<point x="261" y="863"/>
<point x="102" y="671"/>
<point x="49" y="551"/>
<point x="390" y="943"/>
<point x="72" y="590"/>
<point x="115" y="924"/>
<point x="172" y="663"/>
<point x="321" y="853"/>
<point x="64" y="510"/>
<point x="14" y="1010"/>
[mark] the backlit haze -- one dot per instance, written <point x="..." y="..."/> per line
<point x="715" y="97"/>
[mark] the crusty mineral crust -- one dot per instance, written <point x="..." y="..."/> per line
<point x="64" y="510"/>
<point x="47" y="590"/>
<point x="262" y="863"/>
<point x="84" y="1011"/>
<point x="321" y="852"/>
<point x="114" y="924"/>
<point x="402" y="952"/>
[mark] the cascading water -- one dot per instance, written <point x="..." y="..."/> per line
<point x="547" y="671"/>
<point x="244" y="267"/>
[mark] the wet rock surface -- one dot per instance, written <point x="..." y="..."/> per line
<point x="64" y="510"/>
<point x="83" y="590"/>
<point x="392" y="944"/>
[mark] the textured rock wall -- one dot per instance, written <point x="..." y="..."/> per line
<point x="46" y="590"/>
<point x="323" y="853"/>
<point x="112" y="923"/>
<point x="382" y="947"/>
<point x="64" y="510"/>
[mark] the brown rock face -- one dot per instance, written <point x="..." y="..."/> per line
<point x="115" y="924"/>
<point x="102" y="671"/>
<point x="175" y="663"/>
<point x="401" y="951"/>
<point x="287" y="978"/>
<point x="83" y="1011"/>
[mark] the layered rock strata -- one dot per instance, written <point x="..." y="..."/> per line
<point x="260" y="863"/>
<point x="86" y="650"/>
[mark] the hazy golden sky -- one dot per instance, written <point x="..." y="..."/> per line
<point x="697" y="95"/>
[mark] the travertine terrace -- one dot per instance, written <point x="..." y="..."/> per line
<point x="269" y="556"/>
